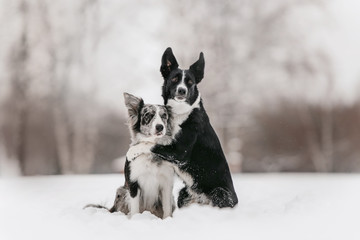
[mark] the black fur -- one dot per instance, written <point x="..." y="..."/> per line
<point x="132" y="186"/>
<point x="168" y="63"/>
<point x="196" y="149"/>
<point x="198" y="68"/>
<point x="184" y="198"/>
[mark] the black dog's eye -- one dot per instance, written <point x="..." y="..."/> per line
<point x="174" y="80"/>
<point x="190" y="82"/>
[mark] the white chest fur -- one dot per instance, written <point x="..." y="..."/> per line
<point x="181" y="112"/>
<point x="151" y="177"/>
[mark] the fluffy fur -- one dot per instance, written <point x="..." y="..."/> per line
<point x="148" y="180"/>
<point x="195" y="151"/>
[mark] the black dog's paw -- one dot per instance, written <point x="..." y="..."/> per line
<point x="184" y="198"/>
<point x="222" y="198"/>
<point x="167" y="159"/>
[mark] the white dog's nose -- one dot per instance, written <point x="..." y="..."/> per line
<point x="159" y="127"/>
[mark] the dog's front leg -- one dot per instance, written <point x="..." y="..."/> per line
<point x="134" y="198"/>
<point x="179" y="150"/>
<point x="137" y="150"/>
<point x="134" y="205"/>
<point x="167" y="200"/>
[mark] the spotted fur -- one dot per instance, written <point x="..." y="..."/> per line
<point x="148" y="180"/>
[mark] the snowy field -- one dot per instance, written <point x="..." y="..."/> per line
<point x="287" y="206"/>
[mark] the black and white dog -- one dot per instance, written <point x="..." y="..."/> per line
<point x="148" y="180"/>
<point x="195" y="151"/>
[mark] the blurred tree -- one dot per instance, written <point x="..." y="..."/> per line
<point x="72" y="55"/>
<point x="261" y="68"/>
<point x="283" y="140"/>
<point x="247" y="45"/>
<point x="20" y="80"/>
<point x="53" y="81"/>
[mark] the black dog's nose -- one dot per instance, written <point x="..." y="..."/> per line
<point x="182" y="91"/>
<point x="159" y="127"/>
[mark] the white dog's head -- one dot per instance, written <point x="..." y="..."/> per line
<point x="146" y="121"/>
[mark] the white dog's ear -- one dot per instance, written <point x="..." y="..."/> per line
<point x="134" y="105"/>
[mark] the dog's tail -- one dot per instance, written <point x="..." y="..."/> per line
<point x="113" y="209"/>
<point x="99" y="206"/>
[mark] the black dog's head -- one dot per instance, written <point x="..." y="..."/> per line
<point x="180" y="85"/>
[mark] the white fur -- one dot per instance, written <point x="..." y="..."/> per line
<point x="157" y="120"/>
<point x="153" y="178"/>
<point x="181" y="112"/>
<point x="188" y="180"/>
<point x="184" y="176"/>
<point x="166" y="196"/>
<point x="134" y="204"/>
<point x="138" y="149"/>
<point x="199" y="198"/>
<point x="182" y="83"/>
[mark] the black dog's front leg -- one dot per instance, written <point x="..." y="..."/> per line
<point x="179" y="150"/>
<point x="166" y="153"/>
<point x="221" y="197"/>
<point x="173" y="153"/>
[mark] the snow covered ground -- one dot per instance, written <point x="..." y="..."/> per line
<point x="275" y="206"/>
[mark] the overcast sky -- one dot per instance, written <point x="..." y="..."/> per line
<point x="344" y="38"/>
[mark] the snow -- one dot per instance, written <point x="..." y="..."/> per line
<point x="272" y="206"/>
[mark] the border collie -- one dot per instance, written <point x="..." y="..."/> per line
<point x="148" y="180"/>
<point x="195" y="151"/>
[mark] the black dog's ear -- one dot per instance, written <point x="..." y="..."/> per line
<point x="198" y="68"/>
<point x="168" y="63"/>
<point x="134" y="105"/>
<point x="170" y="120"/>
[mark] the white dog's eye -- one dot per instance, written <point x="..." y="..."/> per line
<point x="146" y="119"/>
<point x="164" y="115"/>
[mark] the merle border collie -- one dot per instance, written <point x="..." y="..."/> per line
<point x="148" y="180"/>
<point x="195" y="150"/>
